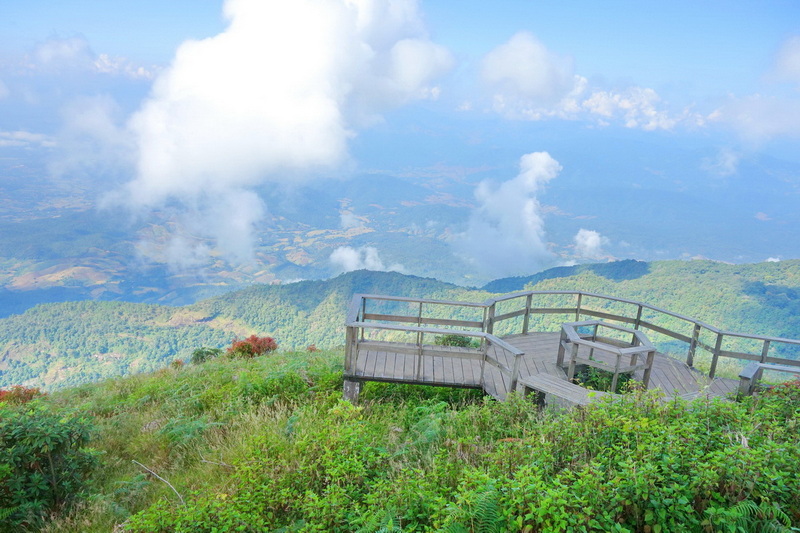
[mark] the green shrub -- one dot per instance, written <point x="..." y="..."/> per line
<point x="43" y="464"/>
<point x="454" y="339"/>
<point x="201" y="355"/>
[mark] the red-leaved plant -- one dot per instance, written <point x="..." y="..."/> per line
<point x="18" y="394"/>
<point x="252" y="346"/>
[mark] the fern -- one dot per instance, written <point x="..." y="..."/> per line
<point x="483" y="517"/>
<point x="764" y="517"/>
<point x="383" y="522"/>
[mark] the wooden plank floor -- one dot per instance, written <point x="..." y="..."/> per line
<point x="671" y="376"/>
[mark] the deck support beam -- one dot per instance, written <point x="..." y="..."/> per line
<point x="352" y="389"/>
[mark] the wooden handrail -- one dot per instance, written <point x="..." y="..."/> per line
<point x="527" y="307"/>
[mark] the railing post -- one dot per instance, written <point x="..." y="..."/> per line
<point x="485" y="349"/>
<point x="578" y="308"/>
<point x="419" y="356"/>
<point x="525" y="321"/>
<point x="363" y="314"/>
<point x="488" y="327"/>
<point x="348" y="350"/>
<point x="765" y="351"/>
<point x="561" y="348"/>
<point x="515" y="372"/>
<point x="637" y="322"/>
<point x="693" y="345"/>
<point x="715" y="357"/>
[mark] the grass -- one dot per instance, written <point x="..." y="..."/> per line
<point x="268" y="444"/>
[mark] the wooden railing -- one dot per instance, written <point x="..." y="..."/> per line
<point x="360" y="323"/>
<point x="691" y="331"/>
<point x="472" y="318"/>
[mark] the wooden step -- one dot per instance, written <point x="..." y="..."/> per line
<point x="547" y="384"/>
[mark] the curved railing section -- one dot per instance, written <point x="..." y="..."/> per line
<point x="519" y="312"/>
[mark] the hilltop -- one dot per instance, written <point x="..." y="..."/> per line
<point x="267" y="444"/>
<point x="61" y="344"/>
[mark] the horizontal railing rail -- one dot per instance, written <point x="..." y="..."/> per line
<point x="641" y="316"/>
<point x="356" y="336"/>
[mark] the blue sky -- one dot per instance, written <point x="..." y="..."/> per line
<point x="167" y="94"/>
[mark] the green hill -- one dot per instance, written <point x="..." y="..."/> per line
<point x="62" y="344"/>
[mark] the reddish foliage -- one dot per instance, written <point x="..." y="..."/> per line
<point x="312" y="348"/>
<point x="18" y="394"/>
<point x="787" y="389"/>
<point x="252" y="346"/>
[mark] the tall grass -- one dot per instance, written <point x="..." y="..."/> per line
<point x="267" y="444"/>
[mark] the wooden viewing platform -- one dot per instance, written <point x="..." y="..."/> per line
<point x="394" y="339"/>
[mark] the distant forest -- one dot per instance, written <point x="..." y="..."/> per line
<point x="68" y="343"/>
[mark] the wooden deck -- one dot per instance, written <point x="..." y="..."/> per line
<point x="459" y="367"/>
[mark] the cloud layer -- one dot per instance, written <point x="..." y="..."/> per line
<point x="347" y="259"/>
<point x="529" y="82"/>
<point x="274" y="97"/>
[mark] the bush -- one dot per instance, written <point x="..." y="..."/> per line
<point x="453" y="339"/>
<point x="43" y="465"/>
<point x="201" y="355"/>
<point x="18" y="394"/>
<point x="251" y="347"/>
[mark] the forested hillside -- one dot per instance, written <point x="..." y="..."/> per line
<point x="60" y="344"/>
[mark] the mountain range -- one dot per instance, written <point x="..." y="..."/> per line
<point x="59" y="344"/>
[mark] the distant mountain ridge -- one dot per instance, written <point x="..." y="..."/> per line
<point x="60" y="344"/>
<point x="615" y="270"/>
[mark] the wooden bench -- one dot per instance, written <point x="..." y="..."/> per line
<point x="543" y="384"/>
<point x="751" y="375"/>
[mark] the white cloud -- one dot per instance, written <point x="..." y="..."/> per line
<point x="529" y="82"/>
<point x="21" y="138"/>
<point x="759" y="118"/>
<point x="506" y="233"/>
<point x="637" y="107"/>
<point x="773" y="260"/>
<point x="787" y="62"/>
<point x="61" y="55"/>
<point x="726" y="163"/>
<point x="523" y="67"/>
<point x="589" y="244"/>
<point x="93" y="139"/>
<point x="347" y="259"/>
<point x="275" y="96"/>
<point x="349" y="220"/>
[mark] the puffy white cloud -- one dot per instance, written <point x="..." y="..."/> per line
<point x="589" y="244"/>
<point x="529" y="82"/>
<point x="525" y="69"/>
<point x="637" y="107"/>
<point x="347" y="259"/>
<point x="773" y="260"/>
<point x="276" y="96"/>
<point x="506" y="233"/>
